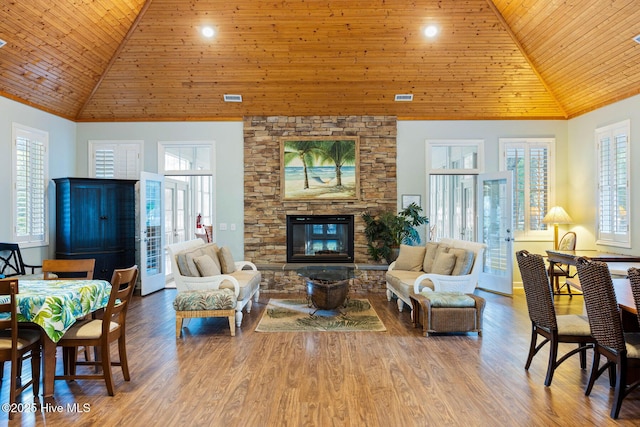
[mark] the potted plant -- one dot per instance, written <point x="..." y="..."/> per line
<point x="388" y="230"/>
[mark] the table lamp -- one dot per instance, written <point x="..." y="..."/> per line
<point x="556" y="215"/>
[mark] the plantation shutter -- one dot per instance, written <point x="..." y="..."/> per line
<point x="116" y="160"/>
<point x="30" y="185"/>
<point x="613" y="190"/>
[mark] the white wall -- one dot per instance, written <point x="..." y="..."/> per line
<point x="229" y="162"/>
<point x="581" y="168"/>
<point x="62" y="162"/>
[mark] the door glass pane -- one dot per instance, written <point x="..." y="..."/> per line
<point x="153" y="205"/>
<point x="493" y="205"/>
<point x="452" y="206"/>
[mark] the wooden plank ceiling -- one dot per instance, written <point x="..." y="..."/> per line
<point x="104" y="60"/>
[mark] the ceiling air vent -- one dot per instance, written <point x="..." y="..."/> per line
<point x="637" y="38"/>
<point x="232" y="98"/>
<point x="406" y="97"/>
<point x="2" y="42"/>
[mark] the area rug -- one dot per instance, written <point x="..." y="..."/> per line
<point x="295" y="315"/>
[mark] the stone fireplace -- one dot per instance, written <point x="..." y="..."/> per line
<point x="265" y="222"/>
<point x="320" y="238"/>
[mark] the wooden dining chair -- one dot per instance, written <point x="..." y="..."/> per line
<point x="16" y="344"/>
<point x="101" y="333"/>
<point x="68" y="268"/>
<point x="568" y="328"/>
<point x="622" y="355"/>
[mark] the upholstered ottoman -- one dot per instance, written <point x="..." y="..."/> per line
<point x="448" y="312"/>
<point x="205" y="303"/>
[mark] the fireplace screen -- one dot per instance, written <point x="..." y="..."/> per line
<point x="320" y="238"/>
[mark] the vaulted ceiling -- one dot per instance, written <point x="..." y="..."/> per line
<point x="108" y="60"/>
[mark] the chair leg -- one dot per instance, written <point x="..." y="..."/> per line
<point x="621" y="387"/>
<point x="594" y="372"/>
<point x="532" y="347"/>
<point x="35" y="372"/>
<point x="106" y="369"/>
<point x="122" y="351"/>
<point x="583" y="355"/>
<point x="553" y="356"/>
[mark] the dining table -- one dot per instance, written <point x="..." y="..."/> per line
<point x="55" y="305"/>
<point x="618" y="263"/>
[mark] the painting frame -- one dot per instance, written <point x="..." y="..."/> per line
<point x="320" y="168"/>
<point x="408" y="199"/>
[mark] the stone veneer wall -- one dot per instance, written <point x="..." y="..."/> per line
<point x="265" y="212"/>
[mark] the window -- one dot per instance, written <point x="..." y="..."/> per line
<point x="533" y="163"/>
<point x="30" y="177"/>
<point x="115" y="159"/>
<point x="612" y="143"/>
<point x="452" y="167"/>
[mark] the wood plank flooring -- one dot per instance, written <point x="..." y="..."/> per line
<point x="393" y="378"/>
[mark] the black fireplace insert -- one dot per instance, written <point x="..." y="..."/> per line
<point x="320" y="238"/>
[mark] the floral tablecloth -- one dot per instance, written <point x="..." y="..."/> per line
<point x="56" y="304"/>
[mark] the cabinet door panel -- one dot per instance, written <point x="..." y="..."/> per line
<point x="85" y="214"/>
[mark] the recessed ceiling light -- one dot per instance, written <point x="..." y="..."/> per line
<point x="2" y="42"/>
<point x="430" y="31"/>
<point x="208" y="32"/>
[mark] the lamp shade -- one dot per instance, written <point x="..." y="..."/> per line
<point x="557" y="215"/>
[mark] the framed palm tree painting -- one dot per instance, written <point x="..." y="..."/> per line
<point x="320" y="168"/>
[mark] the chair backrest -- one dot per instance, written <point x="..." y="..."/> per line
<point x="122" y="283"/>
<point x="11" y="260"/>
<point x="68" y="268"/>
<point x="208" y="229"/>
<point x="601" y="304"/>
<point x="568" y="242"/>
<point x="537" y="290"/>
<point x="9" y="287"/>
<point x="634" y="278"/>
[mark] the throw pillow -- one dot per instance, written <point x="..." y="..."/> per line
<point x="226" y="260"/>
<point x="206" y="266"/>
<point x="410" y="258"/>
<point x="464" y="261"/>
<point x="444" y="264"/>
<point x="429" y="256"/>
<point x="212" y="249"/>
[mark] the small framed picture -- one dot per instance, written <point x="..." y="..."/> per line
<point x="407" y="199"/>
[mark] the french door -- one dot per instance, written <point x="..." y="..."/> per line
<point x="495" y="219"/>
<point x="152" y="265"/>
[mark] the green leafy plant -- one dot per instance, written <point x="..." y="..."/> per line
<point x="386" y="231"/>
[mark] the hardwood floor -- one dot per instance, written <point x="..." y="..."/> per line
<point x="393" y="378"/>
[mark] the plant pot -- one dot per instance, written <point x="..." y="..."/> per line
<point x="393" y="255"/>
